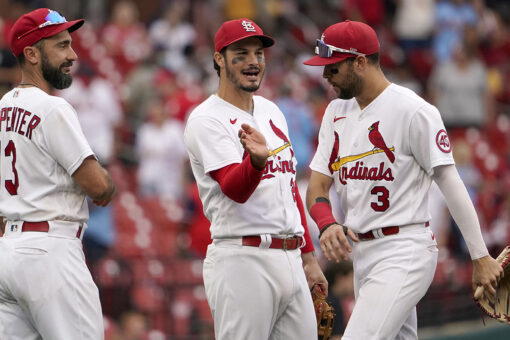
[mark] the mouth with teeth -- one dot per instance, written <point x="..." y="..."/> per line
<point x="251" y="74"/>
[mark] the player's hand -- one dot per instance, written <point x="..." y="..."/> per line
<point x="334" y="243"/>
<point x="313" y="272"/>
<point x="486" y="272"/>
<point x="255" y="144"/>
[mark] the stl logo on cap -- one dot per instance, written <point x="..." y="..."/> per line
<point x="248" y="26"/>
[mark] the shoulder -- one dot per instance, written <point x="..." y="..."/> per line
<point x="406" y="100"/>
<point x="206" y="109"/>
<point x="265" y="103"/>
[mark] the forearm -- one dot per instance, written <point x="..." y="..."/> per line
<point x="2" y="224"/>
<point x="238" y="181"/>
<point x="461" y="208"/>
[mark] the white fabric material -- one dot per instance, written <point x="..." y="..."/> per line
<point x="162" y="156"/>
<point x="238" y="293"/>
<point x="461" y="208"/>
<point x="45" y="159"/>
<point x="211" y="137"/>
<point x="399" y="190"/>
<point x="46" y="285"/>
<point x="388" y="286"/>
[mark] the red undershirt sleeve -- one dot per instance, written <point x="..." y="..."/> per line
<point x="308" y="239"/>
<point x="238" y="181"/>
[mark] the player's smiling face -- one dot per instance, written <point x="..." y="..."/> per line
<point x="57" y="57"/>
<point x="245" y="64"/>
<point x="342" y="76"/>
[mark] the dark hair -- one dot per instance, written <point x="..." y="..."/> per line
<point x="21" y="58"/>
<point x="216" y="66"/>
<point x="374" y="58"/>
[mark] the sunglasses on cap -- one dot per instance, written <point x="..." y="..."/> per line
<point x="326" y="51"/>
<point x="53" y="18"/>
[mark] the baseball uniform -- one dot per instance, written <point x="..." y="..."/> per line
<point x="381" y="159"/>
<point x="46" y="290"/>
<point x="253" y="292"/>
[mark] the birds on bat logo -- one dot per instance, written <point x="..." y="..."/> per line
<point x="360" y="170"/>
<point x="377" y="140"/>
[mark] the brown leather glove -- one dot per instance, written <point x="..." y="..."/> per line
<point x="324" y="312"/>
<point x="497" y="307"/>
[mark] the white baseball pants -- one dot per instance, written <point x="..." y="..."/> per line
<point x="46" y="290"/>
<point x="257" y="294"/>
<point x="391" y="275"/>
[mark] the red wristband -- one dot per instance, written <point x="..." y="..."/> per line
<point x="322" y="215"/>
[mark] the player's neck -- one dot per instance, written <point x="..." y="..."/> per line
<point x="237" y="97"/>
<point x="373" y="88"/>
<point x="34" y="79"/>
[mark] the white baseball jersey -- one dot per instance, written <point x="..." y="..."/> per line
<point x="212" y="141"/>
<point x="41" y="146"/>
<point x="382" y="157"/>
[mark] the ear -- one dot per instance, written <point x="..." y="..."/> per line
<point x="32" y="54"/>
<point x="360" y="63"/>
<point x="220" y="60"/>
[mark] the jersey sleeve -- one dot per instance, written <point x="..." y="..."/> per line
<point x="321" y="159"/>
<point x="428" y="139"/>
<point x="212" y="144"/>
<point x="64" y="138"/>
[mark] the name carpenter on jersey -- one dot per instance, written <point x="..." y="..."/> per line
<point x="18" y="120"/>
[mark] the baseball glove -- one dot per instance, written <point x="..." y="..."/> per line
<point x="324" y="312"/>
<point x="497" y="307"/>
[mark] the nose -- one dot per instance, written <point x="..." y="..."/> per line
<point x="71" y="55"/>
<point x="252" y="59"/>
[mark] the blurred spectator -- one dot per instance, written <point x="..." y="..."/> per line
<point x="99" y="111"/>
<point x="161" y="153"/>
<point x="402" y="74"/>
<point x="451" y="18"/>
<point x="235" y="9"/>
<point x="459" y="90"/>
<point x="174" y="35"/>
<point x="414" y="23"/>
<point x="302" y="127"/>
<point x="341" y="294"/>
<point x="371" y="12"/>
<point x="125" y="37"/>
<point x="132" y="325"/>
<point x="9" y="72"/>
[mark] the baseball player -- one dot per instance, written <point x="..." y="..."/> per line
<point x="46" y="169"/>
<point x="382" y="145"/>
<point x="244" y="165"/>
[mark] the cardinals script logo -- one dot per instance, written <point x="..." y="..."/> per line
<point x="359" y="171"/>
<point x="273" y="165"/>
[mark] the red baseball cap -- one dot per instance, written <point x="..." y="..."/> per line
<point x="343" y="40"/>
<point x="36" y="25"/>
<point x="238" y="29"/>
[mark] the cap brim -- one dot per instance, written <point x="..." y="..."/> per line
<point x="319" y="61"/>
<point x="71" y="26"/>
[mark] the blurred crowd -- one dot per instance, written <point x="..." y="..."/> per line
<point x="143" y="65"/>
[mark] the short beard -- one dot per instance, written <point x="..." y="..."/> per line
<point x="53" y="75"/>
<point x="232" y="78"/>
<point x="354" y="85"/>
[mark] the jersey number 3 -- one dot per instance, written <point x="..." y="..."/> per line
<point x="382" y="203"/>
<point x="12" y="185"/>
